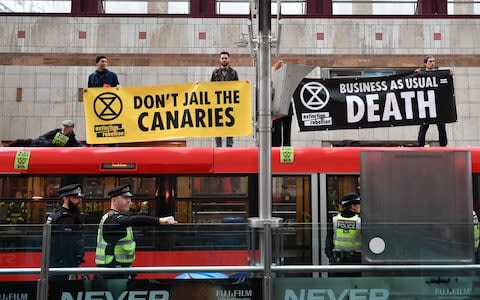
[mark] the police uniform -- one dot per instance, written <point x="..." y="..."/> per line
<point x="343" y="244"/>
<point x="115" y="239"/>
<point x="67" y="244"/>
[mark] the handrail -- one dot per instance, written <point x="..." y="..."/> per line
<point x="363" y="268"/>
<point x="274" y="268"/>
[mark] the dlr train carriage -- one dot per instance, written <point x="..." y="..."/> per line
<point x="204" y="188"/>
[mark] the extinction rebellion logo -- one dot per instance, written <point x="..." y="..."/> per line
<point x="107" y="107"/>
<point x="315" y="96"/>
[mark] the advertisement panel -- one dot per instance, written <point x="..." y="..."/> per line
<point x="376" y="288"/>
<point x="180" y="289"/>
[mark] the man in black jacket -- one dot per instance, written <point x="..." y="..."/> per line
<point x="67" y="245"/>
<point x="224" y="73"/>
<point x="59" y="137"/>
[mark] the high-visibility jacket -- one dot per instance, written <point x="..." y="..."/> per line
<point x="476" y="231"/>
<point x="346" y="233"/>
<point x="123" y="250"/>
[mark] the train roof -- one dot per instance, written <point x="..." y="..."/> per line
<point x="188" y="160"/>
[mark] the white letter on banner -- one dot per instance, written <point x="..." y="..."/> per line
<point x="391" y="108"/>
<point x="423" y="105"/>
<point x="372" y="107"/>
<point x="352" y="103"/>
<point x="407" y="97"/>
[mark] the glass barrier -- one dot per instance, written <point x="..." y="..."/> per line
<point x="389" y="261"/>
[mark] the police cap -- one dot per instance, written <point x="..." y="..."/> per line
<point x="123" y="190"/>
<point x="349" y="199"/>
<point x="71" y="190"/>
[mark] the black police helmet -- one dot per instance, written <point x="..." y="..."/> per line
<point x="349" y="199"/>
<point x="123" y="190"/>
<point x="70" y="190"/>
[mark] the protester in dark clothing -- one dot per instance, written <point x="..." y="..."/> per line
<point x="281" y="130"/>
<point x="60" y="137"/>
<point x="343" y="243"/>
<point x="429" y="62"/>
<point x="102" y="77"/>
<point x="282" y="127"/>
<point x="67" y="245"/>
<point x="224" y="73"/>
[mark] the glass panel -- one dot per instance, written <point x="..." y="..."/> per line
<point x="147" y="7"/>
<point x="239" y="7"/>
<point x="35" y="6"/>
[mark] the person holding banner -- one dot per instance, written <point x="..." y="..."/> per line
<point x="282" y="127"/>
<point x="224" y="73"/>
<point x="429" y="62"/>
<point x="102" y="77"/>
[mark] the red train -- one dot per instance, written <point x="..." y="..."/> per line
<point x="211" y="191"/>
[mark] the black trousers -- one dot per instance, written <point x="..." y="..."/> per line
<point x="346" y="258"/>
<point x="442" y="134"/>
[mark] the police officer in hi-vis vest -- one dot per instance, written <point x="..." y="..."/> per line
<point x="115" y="240"/>
<point x="343" y="242"/>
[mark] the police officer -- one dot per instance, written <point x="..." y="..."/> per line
<point x="115" y="240"/>
<point x="343" y="242"/>
<point x="67" y="245"/>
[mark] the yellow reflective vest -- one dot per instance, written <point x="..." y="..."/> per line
<point x="346" y="233"/>
<point x="123" y="251"/>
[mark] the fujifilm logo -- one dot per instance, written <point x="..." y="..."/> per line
<point x="126" y="295"/>
<point x="14" y="296"/>
<point x="227" y="294"/>
<point x="453" y="292"/>
<point x="329" y="294"/>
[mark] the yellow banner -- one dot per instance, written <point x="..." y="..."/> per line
<point x="152" y="113"/>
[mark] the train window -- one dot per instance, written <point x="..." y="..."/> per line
<point x="15" y="187"/>
<point x="93" y="187"/>
<point x="212" y="199"/>
<point x="291" y="198"/>
<point x="337" y="186"/>
<point x="476" y="192"/>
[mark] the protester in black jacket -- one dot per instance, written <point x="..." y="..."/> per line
<point x="59" y="137"/>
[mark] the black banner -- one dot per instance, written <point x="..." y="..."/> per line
<point x="367" y="102"/>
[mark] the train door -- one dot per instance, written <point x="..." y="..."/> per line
<point x="332" y="187"/>
<point x="291" y="201"/>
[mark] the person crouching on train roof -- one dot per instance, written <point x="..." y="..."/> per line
<point x="115" y="240"/>
<point x="67" y="245"/>
<point x="343" y="244"/>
